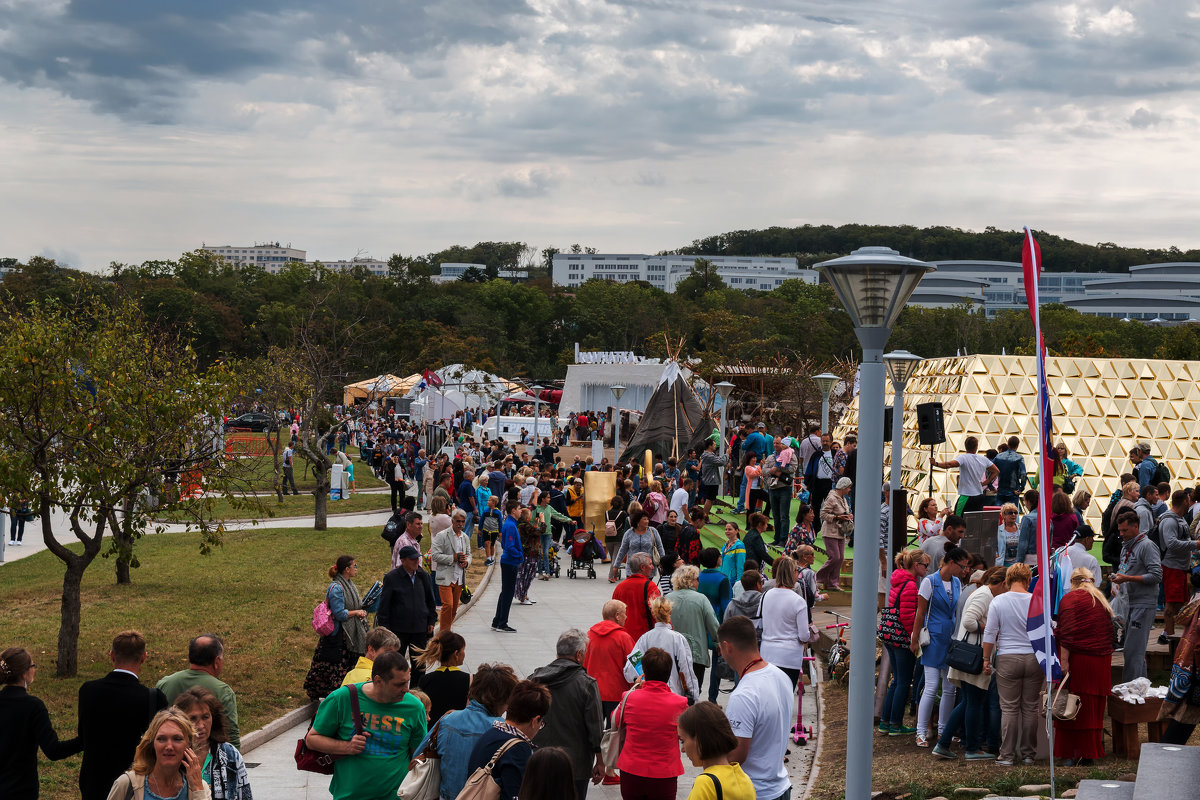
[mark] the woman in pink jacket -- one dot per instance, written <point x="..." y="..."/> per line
<point x="649" y="761"/>
<point x="911" y="566"/>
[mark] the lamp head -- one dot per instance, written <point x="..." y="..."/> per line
<point x="724" y="389"/>
<point x="617" y="390"/>
<point x="825" y="382"/>
<point x="901" y="365"/>
<point x="874" y="284"/>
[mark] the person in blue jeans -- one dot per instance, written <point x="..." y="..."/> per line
<point x="973" y="714"/>
<point x="911" y="567"/>
<point x="466" y="499"/>
<point x="510" y="562"/>
<point x="937" y="601"/>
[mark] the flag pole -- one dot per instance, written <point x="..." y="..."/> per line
<point x="1032" y="268"/>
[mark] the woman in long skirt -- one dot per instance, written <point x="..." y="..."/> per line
<point x="1085" y="650"/>
<point x="531" y="542"/>
<point x="338" y="652"/>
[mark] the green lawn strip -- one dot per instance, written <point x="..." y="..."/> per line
<point x="293" y="506"/>
<point x="257" y="591"/>
<point x="261" y="471"/>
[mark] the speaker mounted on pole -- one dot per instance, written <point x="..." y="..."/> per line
<point x="931" y="424"/>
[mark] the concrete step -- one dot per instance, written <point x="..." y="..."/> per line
<point x="1104" y="790"/>
<point x="1167" y="771"/>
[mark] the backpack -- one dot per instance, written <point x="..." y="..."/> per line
<point x="610" y="529"/>
<point x="1161" y="473"/>
<point x="391" y="530"/>
<point x="810" y="469"/>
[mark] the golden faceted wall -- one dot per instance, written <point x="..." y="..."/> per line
<point x="1101" y="408"/>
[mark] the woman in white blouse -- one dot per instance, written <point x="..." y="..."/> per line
<point x="683" y="678"/>
<point x="785" y="622"/>
<point x="1018" y="677"/>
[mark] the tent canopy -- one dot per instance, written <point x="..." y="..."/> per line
<point x="673" y="423"/>
<point x="379" y="386"/>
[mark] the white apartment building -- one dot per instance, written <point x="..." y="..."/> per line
<point x="665" y="272"/>
<point x="371" y="265"/>
<point x="271" y="256"/>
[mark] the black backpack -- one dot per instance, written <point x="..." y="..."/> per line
<point x="1161" y="473"/>
<point x="393" y="528"/>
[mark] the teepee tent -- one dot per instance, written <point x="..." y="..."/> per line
<point x="674" y="420"/>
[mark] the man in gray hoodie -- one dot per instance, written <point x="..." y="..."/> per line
<point x="575" y="722"/>
<point x="1176" y="545"/>
<point x="747" y="604"/>
<point x="1138" y="576"/>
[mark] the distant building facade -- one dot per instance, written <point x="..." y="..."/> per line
<point x="1159" y="293"/>
<point x="764" y="273"/>
<point x="271" y="256"/>
<point x="371" y="265"/>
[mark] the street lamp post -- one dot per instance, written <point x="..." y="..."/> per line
<point x="900" y="365"/>
<point x="825" y="382"/>
<point x="724" y="390"/>
<point x="537" y="410"/>
<point x="874" y="284"/>
<point x="617" y="390"/>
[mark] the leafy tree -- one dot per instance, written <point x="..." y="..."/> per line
<point x="701" y="279"/>
<point x="95" y="408"/>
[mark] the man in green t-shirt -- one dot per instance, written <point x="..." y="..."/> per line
<point x="375" y="761"/>
<point x="206" y="660"/>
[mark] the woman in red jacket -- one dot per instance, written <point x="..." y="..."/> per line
<point x="649" y="761"/>
<point x="911" y="566"/>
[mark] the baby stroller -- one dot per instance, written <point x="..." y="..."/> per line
<point x="554" y="566"/>
<point x="584" y="548"/>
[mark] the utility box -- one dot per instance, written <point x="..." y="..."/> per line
<point x="981" y="533"/>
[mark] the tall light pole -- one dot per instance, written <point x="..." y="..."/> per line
<point x="874" y="284"/>
<point x="900" y="365"/>
<point x="724" y="390"/>
<point x="617" y="390"/>
<point x="825" y="382"/>
<point x="537" y="410"/>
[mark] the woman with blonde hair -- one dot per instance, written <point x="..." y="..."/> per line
<point x="683" y="678"/>
<point x="1008" y="536"/>
<point x="693" y="616"/>
<point x="1085" y="650"/>
<point x="911" y="567"/>
<point x="164" y="765"/>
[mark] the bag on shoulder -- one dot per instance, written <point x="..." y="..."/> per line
<point x="310" y="760"/>
<point x="965" y="656"/>
<point x="392" y="529"/>
<point x="424" y="778"/>
<point x="1063" y="706"/>
<point x="891" y="629"/>
<point x="323" y="621"/>
<point x="613" y="739"/>
<point x="481" y="785"/>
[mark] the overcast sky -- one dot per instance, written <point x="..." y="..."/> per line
<point x="138" y="129"/>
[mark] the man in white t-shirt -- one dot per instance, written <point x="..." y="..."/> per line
<point x="1080" y="555"/>
<point x="759" y="710"/>
<point x="679" y="499"/>
<point x="974" y="473"/>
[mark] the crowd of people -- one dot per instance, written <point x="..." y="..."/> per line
<point x="179" y="739"/>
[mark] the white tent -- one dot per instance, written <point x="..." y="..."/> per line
<point x="461" y="389"/>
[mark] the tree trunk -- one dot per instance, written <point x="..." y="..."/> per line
<point x="321" y="510"/>
<point x="123" y="572"/>
<point x="68" y="630"/>
<point x="124" y="542"/>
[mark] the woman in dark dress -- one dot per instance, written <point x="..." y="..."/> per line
<point x="24" y="727"/>
<point x="447" y="685"/>
<point x="338" y="652"/>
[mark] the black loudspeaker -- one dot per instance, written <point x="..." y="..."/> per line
<point x="931" y="425"/>
<point x="887" y="425"/>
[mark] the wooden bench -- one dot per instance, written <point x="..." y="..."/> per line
<point x="1125" y="720"/>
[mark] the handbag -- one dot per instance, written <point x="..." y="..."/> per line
<point x="424" y="778"/>
<point x="322" y="621"/>
<point x="965" y="656"/>
<point x="891" y="629"/>
<point x="481" y="785"/>
<point x="613" y="738"/>
<point x="310" y="760"/>
<point x="1064" y="707"/>
<point x="465" y="596"/>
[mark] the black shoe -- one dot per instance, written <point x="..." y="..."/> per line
<point x="1162" y="639"/>
<point x="505" y="629"/>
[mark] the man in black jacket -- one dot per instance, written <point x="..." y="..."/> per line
<point x="407" y="606"/>
<point x="114" y="712"/>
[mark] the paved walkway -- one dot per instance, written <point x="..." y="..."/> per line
<point x="562" y="603"/>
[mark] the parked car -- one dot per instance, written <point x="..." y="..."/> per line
<point x="253" y="421"/>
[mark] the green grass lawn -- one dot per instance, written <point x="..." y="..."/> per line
<point x="257" y="591"/>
